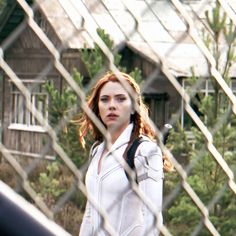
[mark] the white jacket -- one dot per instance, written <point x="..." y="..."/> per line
<point x="111" y="190"/>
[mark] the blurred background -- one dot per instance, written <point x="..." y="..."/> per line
<point x="182" y="53"/>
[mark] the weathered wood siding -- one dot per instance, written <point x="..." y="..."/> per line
<point x="30" y="59"/>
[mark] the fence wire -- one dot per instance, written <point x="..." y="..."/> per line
<point x="84" y="9"/>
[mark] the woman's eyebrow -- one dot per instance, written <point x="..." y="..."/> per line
<point x="120" y="94"/>
<point x="116" y="95"/>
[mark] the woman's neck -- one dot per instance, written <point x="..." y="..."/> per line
<point x="115" y="134"/>
<point x="114" y="137"/>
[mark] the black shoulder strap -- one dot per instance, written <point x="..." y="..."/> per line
<point x="91" y="153"/>
<point x="131" y="153"/>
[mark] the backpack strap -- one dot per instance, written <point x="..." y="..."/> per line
<point x="93" y="150"/>
<point x="131" y="155"/>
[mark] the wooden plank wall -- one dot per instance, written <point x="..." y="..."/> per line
<point x="28" y="58"/>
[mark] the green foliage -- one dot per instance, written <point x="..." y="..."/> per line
<point x="183" y="148"/>
<point x="50" y="184"/>
<point x="184" y="216"/>
<point x="110" y="45"/>
<point x="60" y="103"/>
<point x="70" y="143"/>
<point x="49" y="181"/>
<point x="136" y="74"/>
<point x="78" y="77"/>
<point x="206" y="176"/>
<point x="216" y="19"/>
<point x="95" y="59"/>
<point x="184" y="207"/>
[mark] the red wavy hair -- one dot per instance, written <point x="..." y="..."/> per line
<point x="142" y="125"/>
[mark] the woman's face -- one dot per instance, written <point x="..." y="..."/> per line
<point x="115" y="106"/>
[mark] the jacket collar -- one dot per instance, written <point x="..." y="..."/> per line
<point x="123" y="139"/>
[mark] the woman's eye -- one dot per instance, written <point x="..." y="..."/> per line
<point x="121" y="99"/>
<point x="103" y="99"/>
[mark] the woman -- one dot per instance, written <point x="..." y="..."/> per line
<point x="106" y="180"/>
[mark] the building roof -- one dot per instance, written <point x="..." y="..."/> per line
<point x="149" y="27"/>
<point x="10" y="17"/>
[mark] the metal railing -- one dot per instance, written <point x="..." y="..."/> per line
<point x="83" y="10"/>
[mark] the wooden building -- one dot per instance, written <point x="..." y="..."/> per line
<point x="68" y="30"/>
<point x="30" y="60"/>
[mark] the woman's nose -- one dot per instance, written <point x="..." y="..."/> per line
<point x="112" y="105"/>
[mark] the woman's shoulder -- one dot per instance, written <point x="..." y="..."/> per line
<point x="149" y="153"/>
<point x="148" y="147"/>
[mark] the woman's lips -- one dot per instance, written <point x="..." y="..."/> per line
<point x="112" y="116"/>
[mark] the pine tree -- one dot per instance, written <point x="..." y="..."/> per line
<point x="206" y="177"/>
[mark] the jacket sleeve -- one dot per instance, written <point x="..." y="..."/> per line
<point x="149" y="170"/>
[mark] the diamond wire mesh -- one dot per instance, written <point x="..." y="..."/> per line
<point x="84" y="11"/>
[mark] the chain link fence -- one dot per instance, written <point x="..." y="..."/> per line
<point x="53" y="180"/>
